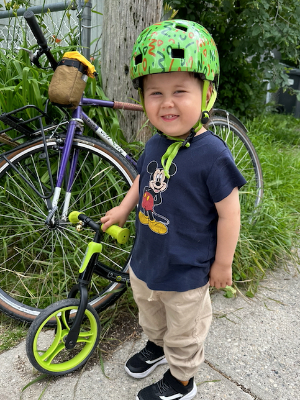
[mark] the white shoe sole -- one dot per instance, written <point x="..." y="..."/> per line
<point x="191" y="394"/>
<point x="146" y="373"/>
<point x="188" y="396"/>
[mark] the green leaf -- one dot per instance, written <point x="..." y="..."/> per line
<point x="38" y="379"/>
<point x="229" y="292"/>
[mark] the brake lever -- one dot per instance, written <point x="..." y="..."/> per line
<point x="34" y="57"/>
<point x="30" y="52"/>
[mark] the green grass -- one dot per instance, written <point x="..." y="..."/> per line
<point x="11" y="332"/>
<point x="268" y="243"/>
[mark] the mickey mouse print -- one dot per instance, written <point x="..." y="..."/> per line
<point x="152" y="197"/>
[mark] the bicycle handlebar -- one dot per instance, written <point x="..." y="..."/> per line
<point x="40" y="38"/>
<point x="119" y="105"/>
<point x="120" y="234"/>
<point x="35" y="29"/>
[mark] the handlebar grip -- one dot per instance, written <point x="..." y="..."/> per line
<point x="73" y="217"/>
<point x="35" y="29"/>
<point x="121" y="234"/>
<point x="76" y="216"/>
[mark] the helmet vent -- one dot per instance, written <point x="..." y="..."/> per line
<point x="182" y="28"/>
<point x="138" y="59"/>
<point x="177" y="53"/>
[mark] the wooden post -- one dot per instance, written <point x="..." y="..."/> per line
<point x="124" y="20"/>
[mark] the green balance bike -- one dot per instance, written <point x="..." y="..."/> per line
<point x="65" y="334"/>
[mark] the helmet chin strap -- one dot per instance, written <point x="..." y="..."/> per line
<point x="205" y="108"/>
<point x="173" y="149"/>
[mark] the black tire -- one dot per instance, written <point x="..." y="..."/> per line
<point x="45" y="346"/>
<point x="246" y="159"/>
<point x="38" y="265"/>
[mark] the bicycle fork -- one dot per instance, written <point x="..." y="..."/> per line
<point x="86" y="271"/>
<point x="75" y="126"/>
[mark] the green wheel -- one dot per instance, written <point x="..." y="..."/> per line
<point x="45" y="345"/>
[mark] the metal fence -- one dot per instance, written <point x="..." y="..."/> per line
<point x="63" y="23"/>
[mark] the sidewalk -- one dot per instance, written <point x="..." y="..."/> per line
<point x="252" y="352"/>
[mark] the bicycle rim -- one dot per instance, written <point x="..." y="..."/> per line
<point x="45" y="347"/>
<point x="38" y="265"/>
<point x="246" y="160"/>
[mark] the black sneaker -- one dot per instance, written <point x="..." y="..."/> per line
<point x="144" y="362"/>
<point x="168" y="388"/>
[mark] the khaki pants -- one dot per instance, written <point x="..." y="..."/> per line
<point x="177" y="321"/>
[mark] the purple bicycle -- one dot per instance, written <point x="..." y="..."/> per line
<point x="56" y="171"/>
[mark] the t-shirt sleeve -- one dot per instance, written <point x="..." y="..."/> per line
<point x="223" y="177"/>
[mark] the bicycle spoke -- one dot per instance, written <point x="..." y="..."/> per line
<point x="36" y="175"/>
<point x="14" y="245"/>
<point x="19" y="209"/>
<point x="66" y="260"/>
<point x="82" y="192"/>
<point x="29" y="198"/>
<point x="35" y="261"/>
<point x="57" y="345"/>
<point x="121" y="195"/>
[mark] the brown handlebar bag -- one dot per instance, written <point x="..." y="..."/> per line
<point x="69" y="80"/>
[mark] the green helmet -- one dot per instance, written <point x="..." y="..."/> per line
<point x="175" y="45"/>
<point x="172" y="46"/>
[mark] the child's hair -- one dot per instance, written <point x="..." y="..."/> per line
<point x="192" y="74"/>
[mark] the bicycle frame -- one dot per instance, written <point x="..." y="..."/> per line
<point x="76" y="126"/>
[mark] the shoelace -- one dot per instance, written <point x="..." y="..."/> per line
<point x="146" y="353"/>
<point x="163" y="386"/>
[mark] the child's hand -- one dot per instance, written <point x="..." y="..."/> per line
<point x="220" y="275"/>
<point x="116" y="215"/>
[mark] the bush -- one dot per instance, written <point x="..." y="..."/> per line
<point x="246" y="32"/>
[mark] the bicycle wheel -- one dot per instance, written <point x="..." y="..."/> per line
<point x="45" y="346"/>
<point x="38" y="264"/>
<point x="246" y="160"/>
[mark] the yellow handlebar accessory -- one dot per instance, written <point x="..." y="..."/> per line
<point x="121" y="234"/>
<point x="73" y="217"/>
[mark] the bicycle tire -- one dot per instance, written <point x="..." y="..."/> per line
<point x="38" y="265"/>
<point x="45" y="346"/>
<point x="246" y="159"/>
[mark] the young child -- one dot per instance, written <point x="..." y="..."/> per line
<point x="188" y="214"/>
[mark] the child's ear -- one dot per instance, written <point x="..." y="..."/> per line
<point x="209" y="92"/>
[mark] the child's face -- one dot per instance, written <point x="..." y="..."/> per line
<point x="173" y="102"/>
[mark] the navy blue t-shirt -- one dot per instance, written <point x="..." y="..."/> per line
<point x="177" y="219"/>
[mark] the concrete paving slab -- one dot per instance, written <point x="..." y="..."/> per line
<point x="16" y="372"/>
<point x="257" y="342"/>
<point x="252" y="353"/>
